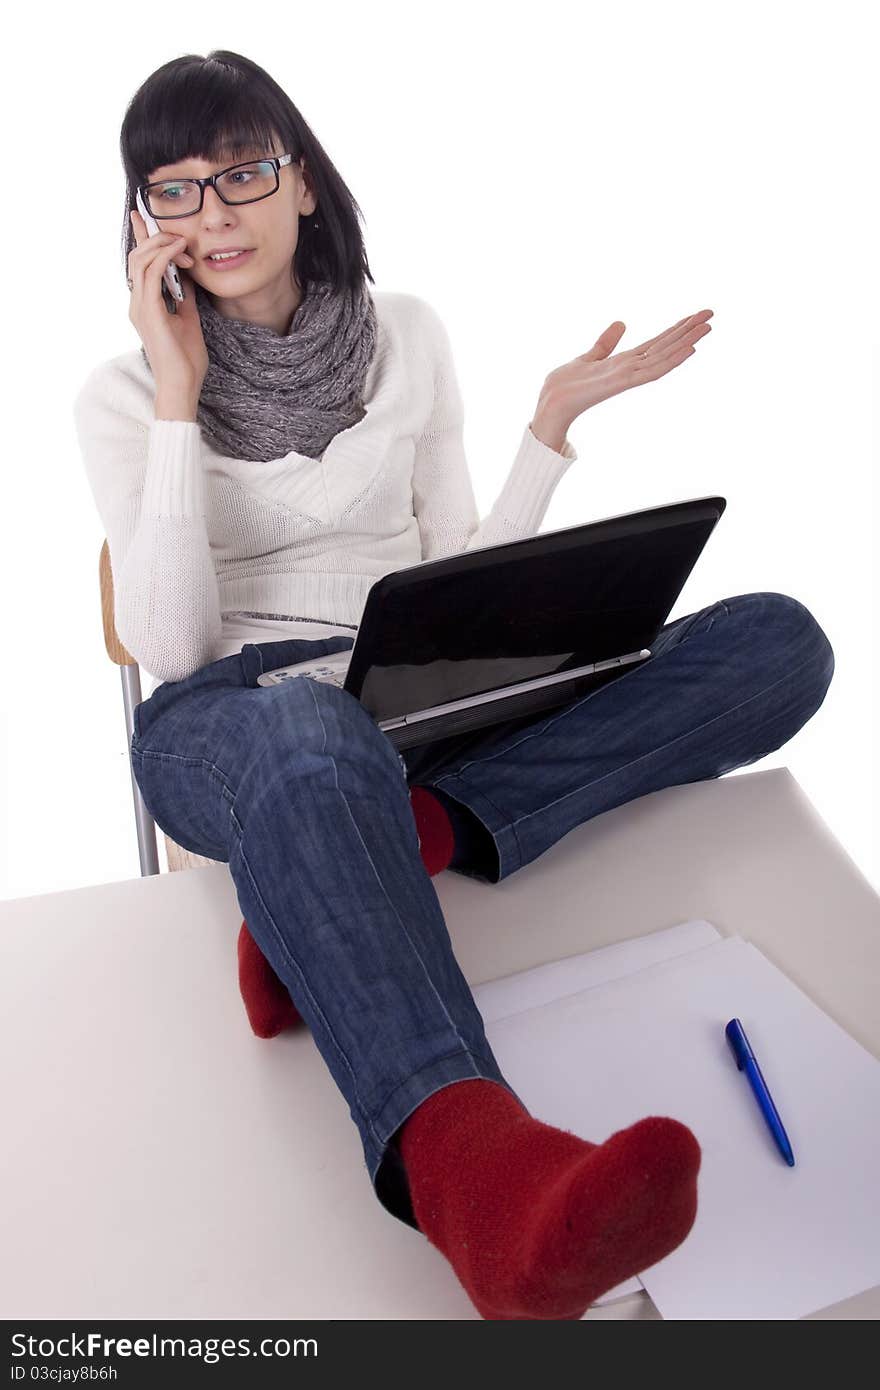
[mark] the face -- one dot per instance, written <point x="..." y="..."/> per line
<point x="261" y="289"/>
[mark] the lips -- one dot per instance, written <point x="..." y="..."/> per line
<point x="226" y="251"/>
<point x="228" y="264"/>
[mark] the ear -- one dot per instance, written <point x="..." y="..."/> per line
<point x="309" y="201"/>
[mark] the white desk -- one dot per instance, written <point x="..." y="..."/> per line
<point x="162" y="1162"/>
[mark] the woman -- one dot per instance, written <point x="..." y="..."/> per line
<point x="277" y="444"/>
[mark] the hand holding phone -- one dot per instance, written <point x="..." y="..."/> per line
<point x="172" y="338"/>
<point x="171" y="277"/>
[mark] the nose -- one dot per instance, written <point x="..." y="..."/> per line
<point x="211" y="208"/>
<point x="211" y="192"/>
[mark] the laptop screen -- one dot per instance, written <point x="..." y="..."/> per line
<point x="487" y="618"/>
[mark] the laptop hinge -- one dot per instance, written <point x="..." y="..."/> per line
<point x="496" y="696"/>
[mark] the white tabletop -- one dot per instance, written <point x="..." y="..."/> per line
<point x="162" y="1162"/>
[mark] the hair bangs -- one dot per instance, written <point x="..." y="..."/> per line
<point x="203" y="111"/>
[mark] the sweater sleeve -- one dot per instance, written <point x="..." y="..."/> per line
<point x="148" y="484"/>
<point x="443" y="495"/>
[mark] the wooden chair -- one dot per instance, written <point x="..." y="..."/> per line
<point x="178" y="857"/>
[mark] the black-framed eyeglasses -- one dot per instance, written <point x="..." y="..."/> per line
<point x="240" y="183"/>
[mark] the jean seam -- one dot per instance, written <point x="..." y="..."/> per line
<point x="528" y="734"/>
<point x="489" y="1062"/>
<point x="503" y="814"/>
<point x="473" y="1058"/>
<point x="215" y="771"/>
<point x="535" y="733"/>
<point x="651" y="753"/>
<point x="412" y="944"/>
<point x="285" y="952"/>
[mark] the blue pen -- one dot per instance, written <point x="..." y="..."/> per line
<point x="747" y="1062"/>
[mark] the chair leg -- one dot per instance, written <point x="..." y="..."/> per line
<point x="148" y="852"/>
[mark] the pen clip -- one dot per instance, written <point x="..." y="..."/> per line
<point x="739" y="1043"/>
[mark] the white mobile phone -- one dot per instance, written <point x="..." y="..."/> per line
<point x="171" y="276"/>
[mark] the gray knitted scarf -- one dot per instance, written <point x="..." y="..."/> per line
<point x="266" y="394"/>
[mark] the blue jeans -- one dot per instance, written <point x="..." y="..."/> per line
<point x="298" y="790"/>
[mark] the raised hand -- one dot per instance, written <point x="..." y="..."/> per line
<point x="595" y="375"/>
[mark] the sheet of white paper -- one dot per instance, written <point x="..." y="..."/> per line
<point x="556" y="979"/>
<point x="769" y="1242"/>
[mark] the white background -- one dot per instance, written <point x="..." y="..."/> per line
<point x="534" y="172"/>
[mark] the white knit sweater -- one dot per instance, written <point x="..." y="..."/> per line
<point x="196" y="537"/>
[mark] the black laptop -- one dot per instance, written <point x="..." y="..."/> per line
<point x="508" y="630"/>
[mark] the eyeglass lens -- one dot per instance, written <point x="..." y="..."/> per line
<point x="243" y="184"/>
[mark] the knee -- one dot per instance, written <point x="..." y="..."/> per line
<point x="304" y="718"/>
<point x="798" y="638"/>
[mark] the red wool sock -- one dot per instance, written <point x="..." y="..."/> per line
<point x="535" y="1221"/>
<point x="267" y="1002"/>
<point x="436" y="837"/>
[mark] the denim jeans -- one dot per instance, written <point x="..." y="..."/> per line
<point x="299" y="791"/>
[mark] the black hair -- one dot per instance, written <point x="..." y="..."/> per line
<point x="220" y="107"/>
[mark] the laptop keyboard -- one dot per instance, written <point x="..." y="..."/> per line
<point x="318" y="673"/>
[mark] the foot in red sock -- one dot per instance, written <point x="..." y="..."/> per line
<point x="535" y="1221"/>
<point x="434" y="828"/>
<point x="267" y="1001"/>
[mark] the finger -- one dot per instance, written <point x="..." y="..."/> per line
<point x="686" y="339"/>
<point x="605" y="343"/>
<point x="137" y="226"/>
<point x="653" y="342"/>
<point x="659" y="363"/>
<point x="647" y="372"/>
<point x="672" y="335"/>
<point x="152" y="266"/>
<point x="164" y="254"/>
<point x="149" y="243"/>
<point x="673" y="338"/>
<point x="676" y="332"/>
